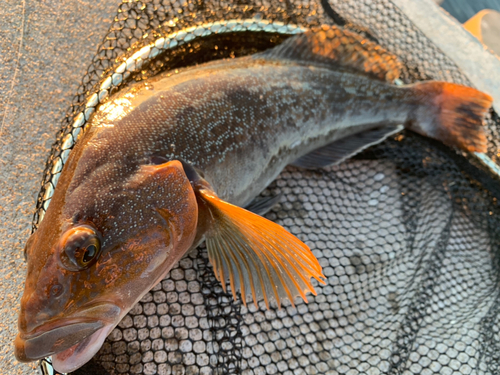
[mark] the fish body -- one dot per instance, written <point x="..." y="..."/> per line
<point x="165" y="164"/>
<point x="241" y="121"/>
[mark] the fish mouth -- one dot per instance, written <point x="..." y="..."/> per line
<point x="71" y="341"/>
<point x="76" y="356"/>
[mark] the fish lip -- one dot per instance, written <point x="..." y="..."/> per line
<point x="60" y="334"/>
<point x="78" y="318"/>
<point x="38" y="346"/>
<point x="76" y="356"/>
<point x="51" y="326"/>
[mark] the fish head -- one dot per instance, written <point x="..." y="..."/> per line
<point x="96" y="253"/>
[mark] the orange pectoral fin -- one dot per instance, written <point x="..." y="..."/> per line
<point x="257" y="255"/>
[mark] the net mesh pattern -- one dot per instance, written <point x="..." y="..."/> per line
<point x="407" y="233"/>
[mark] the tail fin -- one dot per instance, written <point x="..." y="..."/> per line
<point x="452" y="114"/>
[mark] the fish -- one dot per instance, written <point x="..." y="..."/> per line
<point x="170" y="162"/>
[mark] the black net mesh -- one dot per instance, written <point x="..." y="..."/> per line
<point x="407" y="233"/>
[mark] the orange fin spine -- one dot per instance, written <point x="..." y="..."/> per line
<point x="244" y="245"/>
<point x="240" y="273"/>
<point x="290" y="240"/>
<point x="300" y="255"/>
<point x="303" y="253"/>
<point x="216" y="262"/>
<point x="332" y="45"/>
<point x="267" y="258"/>
<point x="276" y="258"/>
<point x="268" y="266"/>
<point x="304" y="278"/>
<point x="236" y="250"/>
<point x="247" y="269"/>
<point x="273" y="260"/>
<point x="226" y="257"/>
<point x="238" y="247"/>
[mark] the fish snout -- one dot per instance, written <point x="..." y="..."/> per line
<point x="42" y="305"/>
<point x="59" y="334"/>
<point x="36" y="346"/>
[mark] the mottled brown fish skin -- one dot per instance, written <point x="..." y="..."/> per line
<point x="126" y="207"/>
<point x="241" y="122"/>
<point x="135" y="255"/>
<point x="238" y="122"/>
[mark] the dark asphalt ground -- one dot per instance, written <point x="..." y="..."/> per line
<point x="45" y="48"/>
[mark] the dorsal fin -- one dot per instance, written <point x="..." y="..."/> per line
<point x="337" y="47"/>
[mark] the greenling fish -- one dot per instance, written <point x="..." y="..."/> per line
<point x="166" y="164"/>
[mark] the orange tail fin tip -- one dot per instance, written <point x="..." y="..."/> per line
<point x="460" y="116"/>
<point x="257" y="255"/>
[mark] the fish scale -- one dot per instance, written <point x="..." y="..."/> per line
<point x="275" y="117"/>
<point x="139" y="165"/>
<point x="124" y="72"/>
<point x="474" y="347"/>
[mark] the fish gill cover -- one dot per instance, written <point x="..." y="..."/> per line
<point x="407" y="232"/>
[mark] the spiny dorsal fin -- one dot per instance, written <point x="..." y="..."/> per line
<point x="258" y="256"/>
<point x="338" y="47"/>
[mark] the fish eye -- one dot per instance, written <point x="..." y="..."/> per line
<point x="80" y="248"/>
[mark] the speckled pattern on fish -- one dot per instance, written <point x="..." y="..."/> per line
<point x="161" y="163"/>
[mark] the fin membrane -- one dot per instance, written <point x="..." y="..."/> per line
<point x="258" y="256"/>
<point x="337" y="47"/>
<point x="451" y="113"/>
<point x="338" y="151"/>
<point x="262" y="205"/>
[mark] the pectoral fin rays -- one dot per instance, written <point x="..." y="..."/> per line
<point x="258" y="256"/>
